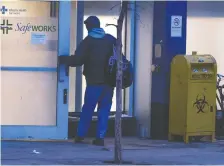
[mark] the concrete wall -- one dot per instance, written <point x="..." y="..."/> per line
<point x="143" y="61"/>
<point x="205" y="30"/>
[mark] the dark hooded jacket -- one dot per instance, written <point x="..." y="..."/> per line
<point x="93" y="52"/>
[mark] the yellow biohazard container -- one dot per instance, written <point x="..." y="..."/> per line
<point x="192" y="106"/>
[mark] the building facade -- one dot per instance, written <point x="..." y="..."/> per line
<point x="38" y="96"/>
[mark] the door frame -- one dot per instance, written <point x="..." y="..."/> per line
<point x="60" y="131"/>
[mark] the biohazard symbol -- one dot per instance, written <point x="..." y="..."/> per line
<point x="200" y="103"/>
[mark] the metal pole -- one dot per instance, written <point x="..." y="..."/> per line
<point x="79" y="38"/>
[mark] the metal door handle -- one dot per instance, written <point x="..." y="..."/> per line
<point x="65" y="96"/>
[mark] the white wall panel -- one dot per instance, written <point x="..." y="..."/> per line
<point x="143" y="61"/>
<point x="28" y="98"/>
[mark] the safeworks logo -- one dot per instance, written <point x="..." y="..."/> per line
<point x="6" y="27"/>
<point x="24" y="28"/>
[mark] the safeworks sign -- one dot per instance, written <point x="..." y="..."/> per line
<point x="27" y="25"/>
<point x="29" y="35"/>
<point x="24" y="28"/>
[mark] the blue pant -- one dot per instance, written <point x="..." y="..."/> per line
<point x="96" y="94"/>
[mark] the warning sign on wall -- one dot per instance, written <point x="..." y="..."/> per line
<point x="176" y="26"/>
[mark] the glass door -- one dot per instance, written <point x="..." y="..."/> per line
<point x="34" y="88"/>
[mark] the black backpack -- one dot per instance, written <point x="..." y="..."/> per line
<point x="111" y="70"/>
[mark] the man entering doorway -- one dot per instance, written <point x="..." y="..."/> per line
<point x="93" y="53"/>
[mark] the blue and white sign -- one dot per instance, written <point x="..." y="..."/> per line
<point x="38" y="38"/>
<point x="204" y="70"/>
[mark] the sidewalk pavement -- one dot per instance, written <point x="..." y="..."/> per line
<point x="138" y="151"/>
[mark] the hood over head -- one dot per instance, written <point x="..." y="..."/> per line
<point x="92" y="22"/>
